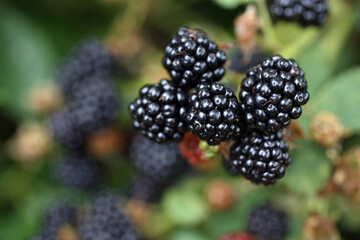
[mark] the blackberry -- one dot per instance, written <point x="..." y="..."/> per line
<point x="78" y="170"/>
<point x="90" y="59"/>
<point x="64" y="131"/>
<point x="105" y="221"/>
<point x="162" y="163"/>
<point x="259" y="157"/>
<point x="94" y="105"/>
<point x="306" y="12"/>
<point x="214" y="113"/>
<point x="272" y="94"/>
<point x="146" y="189"/>
<point x="268" y="223"/>
<point x="240" y="63"/>
<point x="159" y="112"/>
<point x="191" y="57"/>
<point x="56" y="218"/>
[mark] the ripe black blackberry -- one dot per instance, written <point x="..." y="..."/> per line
<point x="272" y="94"/>
<point x="161" y="162"/>
<point x="56" y="218"/>
<point x="105" y="221"/>
<point x="306" y="12"/>
<point x="214" y="113"/>
<point x="146" y="189"/>
<point x="268" y="223"/>
<point x="93" y="106"/>
<point x="259" y="157"/>
<point x="191" y="57"/>
<point x="64" y="131"/>
<point x="90" y="59"/>
<point x="160" y="111"/>
<point x="241" y="63"/>
<point x="78" y="170"/>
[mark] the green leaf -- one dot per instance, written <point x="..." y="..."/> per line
<point x="342" y="98"/>
<point x="27" y="59"/>
<point x="229" y="4"/>
<point x="185" y="207"/>
<point x="310" y="169"/>
<point x="186" y="234"/>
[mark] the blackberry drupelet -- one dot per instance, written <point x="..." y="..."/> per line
<point x="214" y="113"/>
<point x="105" y="221"/>
<point x="64" y="131"/>
<point x="160" y="111"/>
<point x="146" y="189"/>
<point x="162" y="163"/>
<point x="191" y="57"/>
<point x="272" y="94"/>
<point x="94" y="105"/>
<point x="268" y="223"/>
<point x="78" y="170"/>
<point x="259" y="157"/>
<point x="90" y="59"/>
<point x="241" y="63"/>
<point x="306" y="12"/>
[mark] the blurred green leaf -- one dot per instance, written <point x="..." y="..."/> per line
<point x="310" y="169"/>
<point x="27" y="58"/>
<point x="342" y="98"/>
<point x="184" y="207"/>
<point x="186" y="234"/>
<point x="229" y="4"/>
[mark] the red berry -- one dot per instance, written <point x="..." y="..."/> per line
<point x="237" y="236"/>
<point x="190" y="150"/>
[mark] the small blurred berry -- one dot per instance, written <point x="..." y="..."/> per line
<point x="30" y="143"/>
<point x="138" y="212"/>
<point x="326" y="129"/>
<point x="219" y="195"/>
<point x="105" y="143"/>
<point x="193" y="149"/>
<point x="44" y="99"/>
<point x="318" y="227"/>
<point x="237" y="236"/>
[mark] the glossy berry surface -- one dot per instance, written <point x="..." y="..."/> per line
<point x="272" y="94"/>
<point x="191" y="57"/>
<point x="306" y="12"/>
<point x="159" y="112"/>
<point x="214" y="113"/>
<point x="268" y="223"/>
<point x="259" y="157"/>
<point x="161" y="162"/>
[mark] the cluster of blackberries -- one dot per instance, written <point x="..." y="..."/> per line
<point x="159" y="164"/>
<point x="164" y="111"/>
<point x="271" y="94"/>
<point x="268" y="223"/>
<point x="103" y="220"/>
<point x="91" y="104"/>
<point x="306" y="12"/>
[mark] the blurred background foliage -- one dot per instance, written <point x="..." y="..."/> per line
<point x="35" y="36"/>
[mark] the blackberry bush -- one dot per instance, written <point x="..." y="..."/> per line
<point x="160" y="111"/>
<point x="105" y="221"/>
<point x="306" y="12"/>
<point x="214" y="113"/>
<point x="268" y="223"/>
<point x="161" y="162"/>
<point x="259" y="157"/>
<point x="272" y="94"/>
<point x="89" y="59"/>
<point x="78" y="170"/>
<point x="94" y="105"/>
<point x="191" y="57"/>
